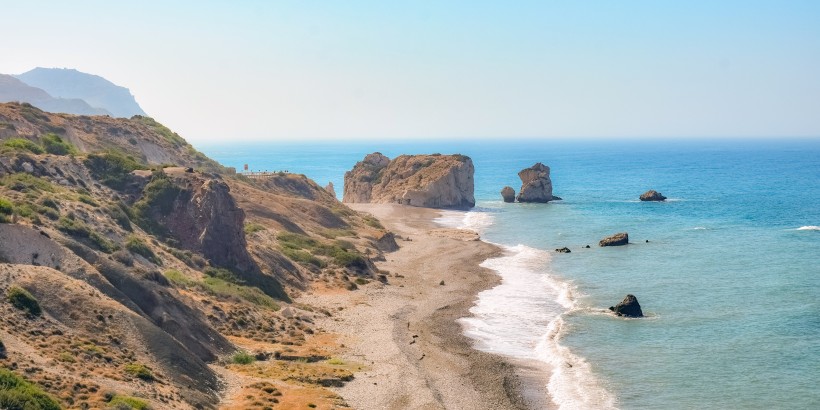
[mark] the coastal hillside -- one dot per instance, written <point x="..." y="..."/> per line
<point x="134" y="270"/>
<point x="94" y="90"/>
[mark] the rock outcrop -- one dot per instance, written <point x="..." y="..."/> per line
<point x="615" y="240"/>
<point x="536" y="185"/>
<point x="508" y="194"/>
<point x="330" y="189"/>
<point x="563" y="250"/>
<point x="629" y="307"/>
<point x="431" y="181"/>
<point x="652" y="195"/>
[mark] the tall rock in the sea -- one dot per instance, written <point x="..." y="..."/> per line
<point x="536" y="185"/>
<point x="629" y="307"/>
<point x="431" y="181"/>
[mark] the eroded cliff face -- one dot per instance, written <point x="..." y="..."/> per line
<point x="431" y="181"/>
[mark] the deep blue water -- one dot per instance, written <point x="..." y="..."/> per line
<point x="729" y="283"/>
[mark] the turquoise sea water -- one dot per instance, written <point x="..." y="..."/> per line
<point x="729" y="280"/>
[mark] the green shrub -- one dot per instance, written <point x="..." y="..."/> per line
<point x="50" y="202"/>
<point x="112" y="168"/>
<point x="158" y="196"/>
<point x="48" y="213"/>
<point x="160" y="129"/>
<point x="87" y="200"/>
<point x="136" y="245"/>
<point x="18" y="393"/>
<point x="140" y="371"/>
<point x="242" y="357"/>
<point x="177" y="278"/>
<point x="6" y="210"/>
<point x="373" y="222"/>
<point x="23" y="300"/>
<point x="21" y="144"/>
<point x="128" y="402"/>
<point x="78" y="229"/>
<point x="252" y="227"/>
<point x="24" y="182"/>
<point x="120" y="215"/>
<point x="55" y="145"/>
<point x="304" y="257"/>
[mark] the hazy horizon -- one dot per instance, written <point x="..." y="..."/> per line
<point x="300" y="71"/>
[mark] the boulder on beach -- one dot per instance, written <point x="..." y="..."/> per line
<point x="536" y="185"/>
<point x="615" y="240"/>
<point x="652" y="195"/>
<point x="508" y="193"/>
<point x="628" y="307"/>
<point x="563" y="250"/>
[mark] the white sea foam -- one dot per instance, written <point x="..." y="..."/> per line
<point x="523" y="318"/>
<point x="808" y="228"/>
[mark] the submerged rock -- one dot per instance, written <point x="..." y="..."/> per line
<point x="615" y="240"/>
<point x="508" y="193"/>
<point x="628" y="307"/>
<point x="563" y="250"/>
<point x="536" y="185"/>
<point x="652" y="195"/>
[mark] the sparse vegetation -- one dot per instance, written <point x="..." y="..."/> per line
<point x="120" y="214"/>
<point x="242" y="357"/>
<point x="87" y="200"/>
<point x="78" y="229"/>
<point x="158" y="196"/>
<point x="140" y="371"/>
<point x="119" y="402"/>
<point x="160" y="129"/>
<point x="223" y="283"/>
<point x="112" y="168"/>
<point x="6" y="210"/>
<point x="304" y="249"/>
<point x="27" y="183"/>
<point x="54" y="144"/>
<point x="136" y="245"/>
<point x="253" y="227"/>
<point x="18" y="393"/>
<point x="23" y="300"/>
<point x="21" y="144"/>
<point x="373" y="222"/>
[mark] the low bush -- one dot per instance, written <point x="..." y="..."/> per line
<point x="119" y="213"/>
<point x="6" y="210"/>
<point x="23" y="300"/>
<point x="54" y="144"/>
<point x="112" y="168"/>
<point x="24" y="182"/>
<point x="21" y="144"/>
<point x="157" y="197"/>
<point x="18" y="393"/>
<point x="253" y="227"/>
<point x="119" y="402"/>
<point x="78" y="229"/>
<point x="243" y="357"/>
<point x="136" y="245"/>
<point x="140" y="371"/>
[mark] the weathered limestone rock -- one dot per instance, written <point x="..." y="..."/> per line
<point x="431" y="181"/>
<point x="536" y="185"/>
<point x="508" y="193"/>
<point x="629" y="307"/>
<point x="331" y="189"/>
<point x="615" y="240"/>
<point x="652" y="195"/>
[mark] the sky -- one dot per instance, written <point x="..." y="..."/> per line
<point x="218" y="71"/>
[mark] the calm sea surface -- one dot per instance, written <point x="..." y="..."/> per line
<point x="729" y="280"/>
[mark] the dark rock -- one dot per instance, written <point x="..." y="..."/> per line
<point x="189" y="170"/>
<point x="563" y="250"/>
<point x="587" y="246"/>
<point x="629" y="307"/>
<point x="2" y="350"/>
<point x="508" y="193"/>
<point x="557" y="198"/>
<point x="536" y="185"/>
<point x="652" y="195"/>
<point x="615" y="240"/>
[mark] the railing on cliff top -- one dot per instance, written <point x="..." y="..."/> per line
<point x="262" y="174"/>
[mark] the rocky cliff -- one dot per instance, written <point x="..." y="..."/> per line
<point x="432" y="181"/>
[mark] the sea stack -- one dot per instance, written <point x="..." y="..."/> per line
<point x="652" y="195"/>
<point x="430" y="181"/>
<point x="536" y="185"/>
<point x="331" y="189"/>
<point x="628" y="307"/>
<point x="618" y="239"/>
<point x="508" y="194"/>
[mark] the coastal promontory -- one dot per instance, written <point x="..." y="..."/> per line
<point x="430" y="181"/>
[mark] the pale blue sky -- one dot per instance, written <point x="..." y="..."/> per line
<point x="264" y="70"/>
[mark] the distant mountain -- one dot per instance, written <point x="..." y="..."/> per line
<point x="12" y="89"/>
<point x="94" y="90"/>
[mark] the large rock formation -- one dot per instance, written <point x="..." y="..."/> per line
<point x="629" y="307"/>
<point x="432" y="181"/>
<point x="508" y="194"/>
<point x="536" y="185"/>
<point x="652" y="195"/>
<point x="330" y="189"/>
<point x="615" y="240"/>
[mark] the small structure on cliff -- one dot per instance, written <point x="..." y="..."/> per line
<point x="536" y="185"/>
<point x="431" y="181"/>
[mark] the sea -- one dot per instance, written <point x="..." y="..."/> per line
<point x="727" y="270"/>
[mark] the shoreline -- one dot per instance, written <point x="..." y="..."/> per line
<point x="405" y="333"/>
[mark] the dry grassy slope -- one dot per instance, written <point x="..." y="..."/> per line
<point x="116" y="293"/>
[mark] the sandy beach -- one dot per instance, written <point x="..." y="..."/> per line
<point x="405" y="332"/>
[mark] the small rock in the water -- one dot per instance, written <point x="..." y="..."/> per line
<point x="647" y="241"/>
<point x="652" y="195"/>
<point x="508" y="193"/>
<point x="563" y="250"/>
<point x="629" y="307"/>
<point x="615" y="240"/>
<point x="587" y="246"/>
